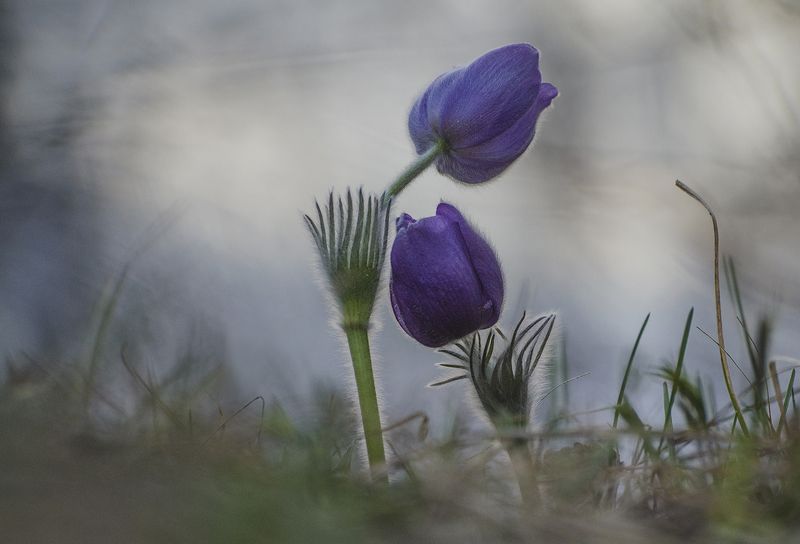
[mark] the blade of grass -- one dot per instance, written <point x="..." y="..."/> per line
<point x="687" y="328"/>
<point x="562" y="384"/>
<point x="624" y="384"/>
<point x="667" y="410"/>
<point x="756" y="358"/>
<point x="763" y="338"/>
<point x="564" y="372"/>
<point x="726" y="372"/>
<point x="776" y="384"/>
<point x="113" y="291"/>
<point x="153" y="392"/>
<point x="631" y="417"/>
<point x="785" y="404"/>
<point x="739" y="368"/>
<point x="735" y="294"/>
<point x="227" y="420"/>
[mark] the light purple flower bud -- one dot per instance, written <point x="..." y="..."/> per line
<point x="484" y="114"/>
<point x="446" y="281"/>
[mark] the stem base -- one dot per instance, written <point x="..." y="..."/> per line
<point x="358" y="342"/>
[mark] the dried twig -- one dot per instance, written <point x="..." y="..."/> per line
<point x="726" y="372"/>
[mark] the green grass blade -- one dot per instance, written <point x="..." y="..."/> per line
<point x="678" y="370"/>
<point x="789" y="393"/>
<point x="628" y="414"/>
<point x="668" y="424"/>
<point x="625" y="376"/>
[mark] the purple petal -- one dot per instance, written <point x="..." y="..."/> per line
<point x="484" y="261"/>
<point x="469" y="170"/>
<point x="490" y="96"/>
<point x="421" y="133"/>
<point x="434" y="289"/>
<point x="423" y="120"/>
<point x="439" y="98"/>
<point x="510" y="144"/>
<point x="404" y="221"/>
<point x="484" y="161"/>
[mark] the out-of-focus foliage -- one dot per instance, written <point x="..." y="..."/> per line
<point x="130" y="456"/>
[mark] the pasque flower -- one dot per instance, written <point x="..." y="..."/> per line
<point x="480" y="118"/>
<point x="501" y="368"/>
<point x="351" y="236"/>
<point x="446" y="281"/>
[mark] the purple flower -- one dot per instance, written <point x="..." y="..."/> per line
<point x="484" y="116"/>
<point x="446" y="281"/>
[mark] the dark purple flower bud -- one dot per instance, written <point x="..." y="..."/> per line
<point x="484" y="115"/>
<point x="446" y="281"/>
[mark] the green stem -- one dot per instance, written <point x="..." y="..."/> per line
<point x="524" y="470"/>
<point x="415" y="169"/>
<point x="358" y="340"/>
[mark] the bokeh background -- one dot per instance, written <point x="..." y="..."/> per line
<point x="187" y="138"/>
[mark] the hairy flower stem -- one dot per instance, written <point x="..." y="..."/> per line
<point x="415" y="169"/>
<point x="351" y="236"/>
<point x="358" y="341"/>
<point x="524" y="470"/>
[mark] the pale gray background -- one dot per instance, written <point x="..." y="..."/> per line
<point x="235" y="115"/>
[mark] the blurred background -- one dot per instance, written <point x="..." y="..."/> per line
<point x="183" y="140"/>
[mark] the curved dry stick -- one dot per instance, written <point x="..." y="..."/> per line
<point x="423" y="425"/>
<point x="726" y="372"/>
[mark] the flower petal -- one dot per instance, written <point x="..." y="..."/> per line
<point x="484" y="262"/>
<point x="484" y="161"/>
<point x="421" y="133"/>
<point x="434" y="288"/>
<point x="490" y="96"/>
<point x="423" y="120"/>
<point x="469" y="170"/>
<point x="404" y="221"/>
<point x="440" y="95"/>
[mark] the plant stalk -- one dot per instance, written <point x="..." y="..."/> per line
<point x="524" y="470"/>
<point x="726" y="372"/>
<point x="415" y="169"/>
<point x="358" y="341"/>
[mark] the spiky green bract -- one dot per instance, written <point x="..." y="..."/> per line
<point x="502" y="383"/>
<point x="351" y="235"/>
